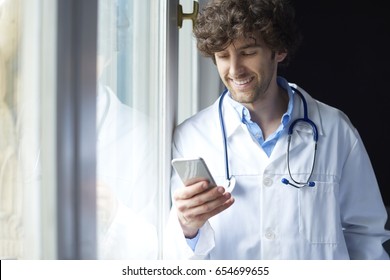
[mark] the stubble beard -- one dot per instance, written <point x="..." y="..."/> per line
<point x="252" y="95"/>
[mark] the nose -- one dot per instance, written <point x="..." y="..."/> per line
<point x="236" y="68"/>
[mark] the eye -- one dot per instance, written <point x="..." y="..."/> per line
<point x="222" y="55"/>
<point x="248" y="53"/>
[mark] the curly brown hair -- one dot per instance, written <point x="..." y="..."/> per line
<point x="223" y="21"/>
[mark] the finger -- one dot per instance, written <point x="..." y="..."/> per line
<point x="217" y="210"/>
<point x="191" y="190"/>
<point x="206" y="197"/>
<point x="208" y="207"/>
<point x="199" y="199"/>
<point x="195" y="219"/>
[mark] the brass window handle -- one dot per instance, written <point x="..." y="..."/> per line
<point x="182" y="16"/>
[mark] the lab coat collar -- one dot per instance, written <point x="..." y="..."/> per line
<point x="232" y="118"/>
<point x="314" y="113"/>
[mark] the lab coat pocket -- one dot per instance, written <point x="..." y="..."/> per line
<point x="318" y="212"/>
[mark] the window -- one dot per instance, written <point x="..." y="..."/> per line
<point x="127" y="132"/>
<point x="64" y="193"/>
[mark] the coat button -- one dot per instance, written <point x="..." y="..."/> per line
<point x="269" y="234"/>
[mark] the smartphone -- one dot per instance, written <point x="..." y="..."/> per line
<point x="192" y="170"/>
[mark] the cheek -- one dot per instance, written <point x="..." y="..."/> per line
<point x="222" y="69"/>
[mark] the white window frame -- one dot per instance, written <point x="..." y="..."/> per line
<point x="199" y="82"/>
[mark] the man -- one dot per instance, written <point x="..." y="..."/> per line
<point x="305" y="187"/>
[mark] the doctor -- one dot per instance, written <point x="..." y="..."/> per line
<point x="313" y="197"/>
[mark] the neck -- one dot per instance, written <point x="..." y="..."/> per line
<point x="268" y="111"/>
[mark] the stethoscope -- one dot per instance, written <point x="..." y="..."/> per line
<point x="230" y="179"/>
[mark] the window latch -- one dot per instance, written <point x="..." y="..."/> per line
<point x="182" y="16"/>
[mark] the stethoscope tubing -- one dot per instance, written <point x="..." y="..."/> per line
<point x="290" y="132"/>
<point x="222" y="124"/>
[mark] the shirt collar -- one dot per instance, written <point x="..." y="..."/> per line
<point x="282" y="82"/>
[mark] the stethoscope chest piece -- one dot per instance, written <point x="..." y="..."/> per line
<point x="230" y="184"/>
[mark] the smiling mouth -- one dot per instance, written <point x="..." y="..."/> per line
<point x="242" y="82"/>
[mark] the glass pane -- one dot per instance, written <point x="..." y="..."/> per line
<point x="127" y="138"/>
<point x="11" y="245"/>
<point x="25" y="230"/>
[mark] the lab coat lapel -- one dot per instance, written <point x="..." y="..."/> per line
<point x="312" y="107"/>
<point x="303" y="134"/>
<point x="231" y="118"/>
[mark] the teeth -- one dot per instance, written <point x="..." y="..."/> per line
<point x="242" y="82"/>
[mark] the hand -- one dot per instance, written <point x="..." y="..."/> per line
<point x="107" y="205"/>
<point x="197" y="203"/>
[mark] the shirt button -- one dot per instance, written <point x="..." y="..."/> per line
<point x="269" y="234"/>
<point x="267" y="182"/>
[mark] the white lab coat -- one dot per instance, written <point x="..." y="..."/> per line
<point x="342" y="217"/>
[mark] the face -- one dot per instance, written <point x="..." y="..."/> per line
<point x="247" y="67"/>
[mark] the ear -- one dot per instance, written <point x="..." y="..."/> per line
<point x="280" y="56"/>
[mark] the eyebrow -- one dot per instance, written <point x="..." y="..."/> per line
<point x="247" y="46"/>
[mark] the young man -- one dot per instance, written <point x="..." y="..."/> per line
<point x="304" y="184"/>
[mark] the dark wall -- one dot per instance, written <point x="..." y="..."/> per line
<point x="344" y="61"/>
